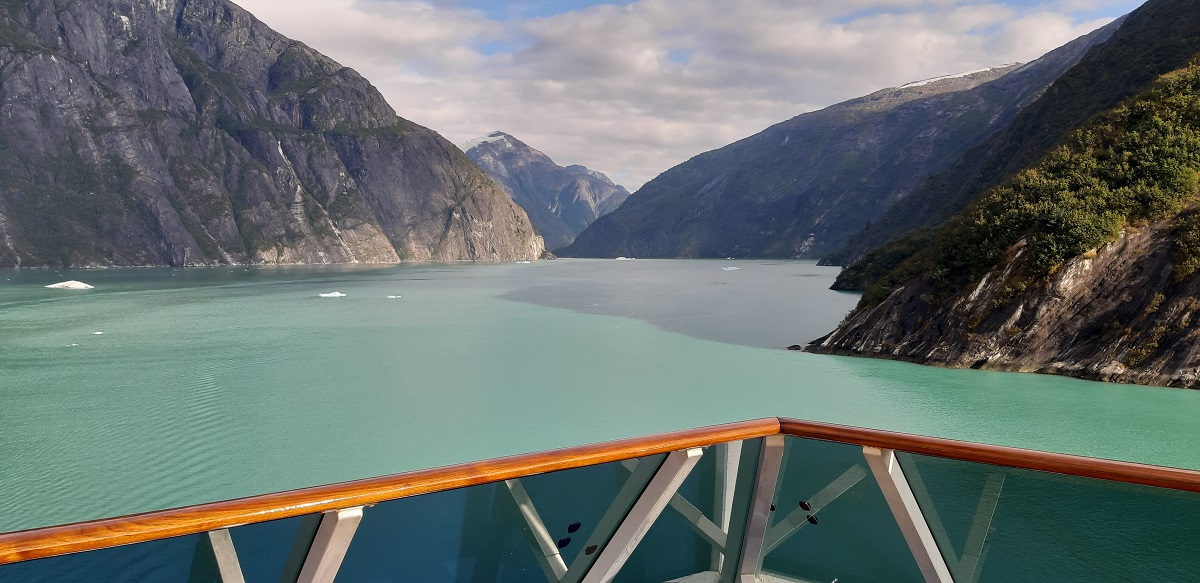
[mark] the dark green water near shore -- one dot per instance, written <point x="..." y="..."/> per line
<point x="209" y="384"/>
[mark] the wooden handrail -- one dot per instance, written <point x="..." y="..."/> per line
<point x="110" y="532"/>
<point x="1071" y="465"/>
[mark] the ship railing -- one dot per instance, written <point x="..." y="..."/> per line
<point x="769" y="500"/>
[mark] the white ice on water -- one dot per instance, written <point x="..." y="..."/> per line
<point x="393" y="297"/>
<point x="332" y="295"/>
<point x="731" y="269"/>
<point x="70" y="285"/>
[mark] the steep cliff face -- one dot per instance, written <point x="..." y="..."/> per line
<point x="803" y="187"/>
<point x="561" y="202"/>
<point x="1113" y="315"/>
<point x="186" y="132"/>
<point x="1085" y="264"/>
<point x="1158" y="37"/>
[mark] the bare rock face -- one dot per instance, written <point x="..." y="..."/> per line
<point x="561" y="202"/>
<point x="1113" y="315"/>
<point x="186" y="132"/>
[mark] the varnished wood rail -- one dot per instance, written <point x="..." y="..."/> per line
<point x="110" y="532"/>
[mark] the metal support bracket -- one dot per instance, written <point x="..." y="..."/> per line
<point x="908" y="514"/>
<point x="226" y="555"/>
<point x="770" y="460"/>
<point x="792" y="523"/>
<point x="548" y="556"/>
<point x="701" y="524"/>
<point x="330" y="545"/>
<point x="645" y="511"/>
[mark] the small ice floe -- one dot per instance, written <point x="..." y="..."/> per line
<point x="332" y="295"/>
<point x="97" y="333"/>
<point x="624" y="259"/>
<point x="731" y="269"/>
<point x="72" y="345"/>
<point x="523" y="262"/>
<point x="394" y="297"/>
<point x="70" y="285"/>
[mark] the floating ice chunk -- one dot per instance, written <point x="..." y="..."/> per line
<point x="97" y="333"/>
<point x="70" y="285"/>
<point x="524" y="262"/>
<point x="624" y="259"/>
<point x="72" y="345"/>
<point x="731" y="269"/>
<point x="332" y="295"/>
<point x="394" y="297"/>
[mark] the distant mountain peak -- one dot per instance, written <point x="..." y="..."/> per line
<point x="497" y="138"/>
<point x="957" y="75"/>
<point x="560" y="201"/>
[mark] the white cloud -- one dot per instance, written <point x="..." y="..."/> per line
<point x="633" y="90"/>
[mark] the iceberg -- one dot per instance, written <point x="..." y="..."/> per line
<point x="524" y="262"/>
<point x="332" y="295"/>
<point x="70" y="285"/>
<point x="731" y="269"/>
<point x="624" y="259"/>
<point x="393" y="297"/>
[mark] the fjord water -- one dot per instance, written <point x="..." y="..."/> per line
<point x="210" y="384"/>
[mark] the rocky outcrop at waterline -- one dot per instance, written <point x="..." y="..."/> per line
<point x="186" y="132"/>
<point x="1117" y="314"/>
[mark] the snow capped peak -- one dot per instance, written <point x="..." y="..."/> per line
<point x="954" y="76"/>
<point x="499" y="138"/>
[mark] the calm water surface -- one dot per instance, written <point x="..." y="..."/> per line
<point x="209" y="384"/>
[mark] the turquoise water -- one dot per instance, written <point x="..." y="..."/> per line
<point x="209" y="384"/>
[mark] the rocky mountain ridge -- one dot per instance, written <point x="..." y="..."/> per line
<point x="561" y="201"/>
<point x="1085" y="264"/>
<point x="187" y="132"/>
<point x="803" y="187"/>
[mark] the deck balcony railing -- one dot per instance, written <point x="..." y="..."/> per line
<point x="771" y="500"/>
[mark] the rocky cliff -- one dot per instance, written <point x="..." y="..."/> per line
<point x="1158" y="37"/>
<point x="186" y="132"/>
<point x="1113" y="315"/>
<point x="801" y="188"/>
<point x="561" y="202"/>
<point x="1085" y="264"/>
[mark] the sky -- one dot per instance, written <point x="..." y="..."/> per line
<point x="632" y="88"/>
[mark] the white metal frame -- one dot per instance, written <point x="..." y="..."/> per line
<point x="548" y="556"/>
<point x="798" y="518"/>
<point x="330" y="545"/>
<point x="227" y="560"/>
<point x="765" y="485"/>
<point x="645" y="511"/>
<point x="908" y="514"/>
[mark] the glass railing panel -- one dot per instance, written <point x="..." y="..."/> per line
<point x="852" y="534"/>
<point x="996" y="524"/>
<point x="674" y="547"/>
<point x="181" y="559"/>
<point x="483" y="534"/>
<point x="270" y="552"/>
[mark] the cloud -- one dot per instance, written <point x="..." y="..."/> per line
<point x="634" y="89"/>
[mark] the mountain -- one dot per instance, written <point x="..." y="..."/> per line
<point x="561" y="202"/>
<point x="1084" y="263"/>
<point x="1157" y="38"/>
<point x="803" y="187"/>
<point x="186" y="132"/>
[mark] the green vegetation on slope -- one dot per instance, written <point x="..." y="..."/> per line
<point x="1159" y="37"/>
<point x="1137" y="163"/>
